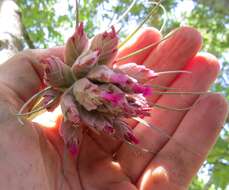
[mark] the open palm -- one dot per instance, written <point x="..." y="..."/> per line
<point x="32" y="157"/>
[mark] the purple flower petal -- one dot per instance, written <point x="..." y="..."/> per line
<point x="73" y="149"/>
<point x="114" y="98"/>
<point x="119" y="78"/>
<point x="145" y="90"/>
<point x="109" y="130"/>
<point x="131" y="138"/>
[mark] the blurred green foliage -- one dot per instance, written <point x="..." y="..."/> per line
<point x="43" y="23"/>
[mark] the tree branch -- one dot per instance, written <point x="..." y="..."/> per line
<point x="27" y="37"/>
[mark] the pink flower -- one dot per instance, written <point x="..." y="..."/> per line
<point x="140" y="72"/>
<point x="124" y="132"/>
<point x="69" y="108"/>
<point x="119" y="78"/>
<point x="140" y="89"/>
<point x="131" y="138"/>
<point x="84" y="63"/>
<point x="56" y="73"/>
<point x="107" y="44"/>
<point x="109" y="130"/>
<point x="95" y="94"/>
<point x="113" y="97"/>
<point x="76" y="45"/>
<point x="87" y="94"/>
<point x="102" y="73"/>
<point x="97" y="121"/>
<point x="71" y="136"/>
<point x="73" y="148"/>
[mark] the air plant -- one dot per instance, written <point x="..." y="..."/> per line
<point x="94" y="92"/>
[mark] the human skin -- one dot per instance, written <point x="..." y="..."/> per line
<point x="31" y="156"/>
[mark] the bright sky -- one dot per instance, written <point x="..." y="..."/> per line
<point x="61" y="8"/>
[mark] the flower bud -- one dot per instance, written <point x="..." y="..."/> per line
<point x="124" y="132"/>
<point x="142" y="89"/>
<point x="109" y="129"/>
<point x="117" y="103"/>
<point x="53" y="96"/>
<point x="114" y="98"/>
<point x="87" y="94"/>
<point x="139" y="72"/>
<point x="102" y="73"/>
<point x="56" y="73"/>
<point x="75" y="45"/>
<point x="84" y="63"/>
<point x="107" y="44"/>
<point x="66" y="129"/>
<point x="73" y="148"/>
<point x="96" y="121"/>
<point x="138" y="105"/>
<point x="71" y="136"/>
<point x="69" y="109"/>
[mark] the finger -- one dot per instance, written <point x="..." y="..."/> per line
<point x="97" y="170"/>
<point x="23" y="72"/>
<point x="167" y="120"/>
<point x="144" y="38"/>
<point x="173" y="54"/>
<point x="25" y="145"/>
<point x="198" y="131"/>
<point x="66" y="172"/>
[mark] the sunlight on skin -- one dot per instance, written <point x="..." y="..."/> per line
<point x="48" y="119"/>
<point x="115" y="165"/>
<point x="160" y="172"/>
<point x="144" y="179"/>
<point x="156" y="175"/>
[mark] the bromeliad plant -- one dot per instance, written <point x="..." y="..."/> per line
<point x="95" y="93"/>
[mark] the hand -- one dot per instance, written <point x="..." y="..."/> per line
<point x="31" y="157"/>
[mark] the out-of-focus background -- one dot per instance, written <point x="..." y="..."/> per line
<point x="46" y="23"/>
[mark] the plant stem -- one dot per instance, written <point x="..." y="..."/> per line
<point x="172" y="72"/>
<point x="161" y="87"/>
<point x="29" y="101"/>
<point x="171" y="108"/>
<point x="141" y="24"/>
<point x="144" y="48"/>
<point x="181" y="93"/>
<point x="124" y="14"/>
<point x="77" y="13"/>
<point x="37" y="109"/>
